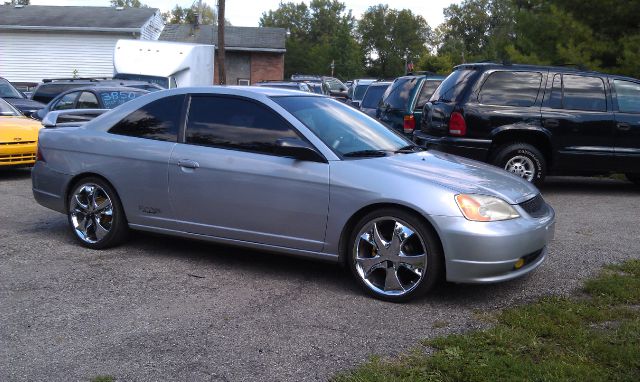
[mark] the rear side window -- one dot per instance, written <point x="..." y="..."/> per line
<point x="583" y="93"/>
<point x="426" y="92"/>
<point x="159" y="120"/>
<point x="66" y="102"/>
<point x="235" y="123"/>
<point x="506" y="88"/>
<point x="453" y="86"/>
<point x="628" y="95"/>
<point x="373" y="96"/>
<point x="398" y="93"/>
<point x="88" y="100"/>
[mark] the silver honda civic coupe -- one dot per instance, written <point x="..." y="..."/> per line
<point x="296" y="173"/>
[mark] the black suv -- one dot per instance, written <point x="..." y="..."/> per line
<point x="537" y="120"/>
<point x="51" y="88"/>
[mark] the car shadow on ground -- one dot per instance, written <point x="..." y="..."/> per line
<point x="588" y="185"/>
<point x="14" y="173"/>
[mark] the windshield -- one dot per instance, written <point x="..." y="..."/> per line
<point x="7" y="110"/>
<point x="360" y="90"/>
<point x="113" y="99"/>
<point x="373" y="96"/>
<point x="162" y="81"/>
<point x="8" y="91"/>
<point x="451" y="88"/>
<point x="342" y="128"/>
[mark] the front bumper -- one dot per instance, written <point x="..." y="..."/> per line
<point x="18" y="154"/>
<point x="487" y="252"/>
<point x="477" y="149"/>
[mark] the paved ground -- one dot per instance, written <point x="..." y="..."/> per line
<point x="162" y="308"/>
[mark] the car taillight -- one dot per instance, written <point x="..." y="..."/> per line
<point x="457" y="125"/>
<point x="409" y="124"/>
<point x="39" y="156"/>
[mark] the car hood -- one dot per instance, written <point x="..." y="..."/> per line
<point x="16" y="129"/>
<point x="461" y="175"/>
<point x="24" y="104"/>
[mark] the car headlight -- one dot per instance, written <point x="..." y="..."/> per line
<point x="483" y="208"/>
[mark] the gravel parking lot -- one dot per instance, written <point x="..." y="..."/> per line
<point x="162" y="308"/>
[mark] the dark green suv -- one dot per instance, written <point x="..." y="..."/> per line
<point x="402" y="103"/>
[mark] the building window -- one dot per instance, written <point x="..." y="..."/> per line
<point x="244" y="81"/>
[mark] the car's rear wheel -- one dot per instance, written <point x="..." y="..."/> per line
<point x="635" y="178"/>
<point x="522" y="159"/>
<point x="95" y="214"/>
<point x="394" y="255"/>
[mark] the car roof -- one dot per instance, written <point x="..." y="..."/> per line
<point x="381" y="83"/>
<point x="364" y="81"/>
<point x="267" y="83"/>
<point x="560" y="68"/>
<point x="429" y="77"/>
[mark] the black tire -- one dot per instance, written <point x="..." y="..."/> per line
<point x="434" y="255"/>
<point x="117" y="221"/>
<point x="508" y="152"/>
<point x="634" y="178"/>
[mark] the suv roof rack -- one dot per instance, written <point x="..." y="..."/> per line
<point x="46" y="80"/>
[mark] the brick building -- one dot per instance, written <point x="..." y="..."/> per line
<point x="251" y="54"/>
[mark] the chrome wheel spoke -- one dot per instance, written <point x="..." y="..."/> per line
<point x="379" y="242"/>
<point x="100" y="231"/>
<point x="413" y="260"/>
<point x="392" y="282"/>
<point x="370" y="264"/>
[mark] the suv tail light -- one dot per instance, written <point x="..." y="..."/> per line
<point x="457" y="125"/>
<point x="409" y="124"/>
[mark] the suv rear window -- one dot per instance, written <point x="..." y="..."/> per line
<point x="373" y="96"/>
<point x="508" y="88"/>
<point x="48" y="91"/>
<point x="453" y="86"/>
<point x="398" y="93"/>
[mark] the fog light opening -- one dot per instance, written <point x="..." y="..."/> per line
<point x="519" y="264"/>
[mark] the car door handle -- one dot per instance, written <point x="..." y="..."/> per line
<point x="623" y="126"/>
<point x="187" y="163"/>
<point x="551" y="123"/>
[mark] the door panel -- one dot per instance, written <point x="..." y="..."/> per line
<point x="249" y="196"/>
<point x="627" y="133"/>
<point x="576" y="113"/>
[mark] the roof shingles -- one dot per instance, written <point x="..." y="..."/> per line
<point x="235" y="37"/>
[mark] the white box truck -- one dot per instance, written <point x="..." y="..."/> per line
<point x="168" y="64"/>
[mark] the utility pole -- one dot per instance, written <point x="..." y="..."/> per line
<point x="333" y="65"/>
<point x="199" y="12"/>
<point x="222" y="77"/>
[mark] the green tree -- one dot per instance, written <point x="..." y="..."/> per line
<point x="318" y="35"/>
<point x="128" y="4"/>
<point x="390" y="37"/>
<point x="189" y="15"/>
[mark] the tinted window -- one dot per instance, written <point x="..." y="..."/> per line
<point x="112" y="99"/>
<point x="398" y="93"/>
<point x="453" y="86"/>
<point x="373" y="96"/>
<point x="583" y="93"/>
<point x="555" y="100"/>
<point x="511" y="88"/>
<point x="628" y="95"/>
<point x="235" y="123"/>
<point x="46" y="92"/>
<point x="8" y="91"/>
<point x="158" y="120"/>
<point x="342" y="128"/>
<point x="359" y="91"/>
<point x="425" y="93"/>
<point x="88" y="100"/>
<point x="66" y="102"/>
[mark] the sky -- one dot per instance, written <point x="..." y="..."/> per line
<point x="247" y="12"/>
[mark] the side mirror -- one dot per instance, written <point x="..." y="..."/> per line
<point x="29" y="113"/>
<point x="298" y="149"/>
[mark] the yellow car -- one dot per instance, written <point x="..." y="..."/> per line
<point x="18" y="137"/>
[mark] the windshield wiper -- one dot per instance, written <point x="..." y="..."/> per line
<point x="408" y="149"/>
<point x="366" y="153"/>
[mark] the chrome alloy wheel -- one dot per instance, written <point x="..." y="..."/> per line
<point x="521" y="166"/>
<point x="390" y="256"/>
<point x="91" y="213"/>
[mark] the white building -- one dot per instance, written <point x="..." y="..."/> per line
<point x="38" y="42"/>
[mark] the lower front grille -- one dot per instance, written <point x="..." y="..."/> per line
<point x="17" y="143"/>
<point x="536" y="206"/>
<point x="17" y="158"/>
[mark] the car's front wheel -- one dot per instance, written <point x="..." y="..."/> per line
<point x="522" y="159"/>
<point x="95" y="214"/>
<point x="394" y="255"/>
